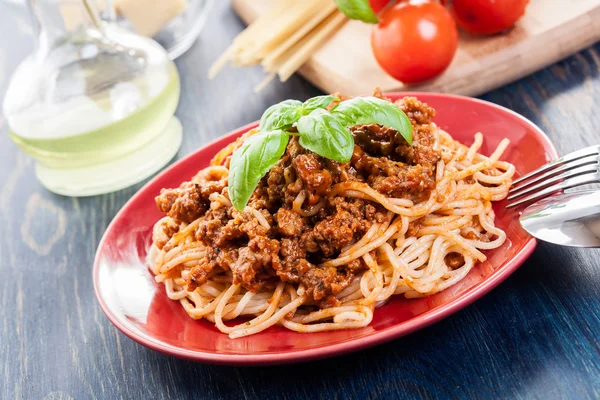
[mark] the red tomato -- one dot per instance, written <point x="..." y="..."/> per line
<point x="377" y="5"/>
<point x="487" y="17"/>
<point x="414" y="41"/>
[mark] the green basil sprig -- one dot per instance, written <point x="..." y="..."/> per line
<point x="373" y="110"/>
<point x="323" y="132"/>
<point x="317" y="102"/>
<point x="327" y="135"/>
<point x="357" y="9"/>
<point x="281" y="115"/>
<point x="258" y="154"/>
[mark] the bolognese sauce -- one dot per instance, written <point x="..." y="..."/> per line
<point x="293" y="246"/>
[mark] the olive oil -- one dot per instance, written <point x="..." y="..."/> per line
<point x="100" y="122"/>
<point x="66" y="149"/>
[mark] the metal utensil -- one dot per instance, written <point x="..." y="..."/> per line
<point x="578" y="168"/>
<point x="568" y="219"/>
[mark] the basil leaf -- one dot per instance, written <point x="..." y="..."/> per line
<point x="317" y="102"/>
<point x="357" y="9"/>
<point x="372" y="110"/>
<point x="249" y="163"/>
<point x="324" y="134"/>
<point x="281" y="115"/>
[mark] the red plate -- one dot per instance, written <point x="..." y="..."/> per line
<point x="139" y="307"/>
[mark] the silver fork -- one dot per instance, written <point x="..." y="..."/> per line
<point x="575" y="169"/>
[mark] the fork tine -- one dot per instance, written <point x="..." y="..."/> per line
<point x="566" y="184"/>
<point x="576" y="155"/>
<point x="564" y="171"/>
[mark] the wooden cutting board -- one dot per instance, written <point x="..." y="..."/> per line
<point x="549" y="31"/>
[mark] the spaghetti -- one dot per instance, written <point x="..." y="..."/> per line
<point x="281" y="48"/>
<point x="276" y="263"/>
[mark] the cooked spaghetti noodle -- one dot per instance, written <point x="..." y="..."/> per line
<point x="322" y="244"/>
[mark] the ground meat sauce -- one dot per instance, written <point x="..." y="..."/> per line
<point x="163" y="231"/>
<point x="294" y="245"/>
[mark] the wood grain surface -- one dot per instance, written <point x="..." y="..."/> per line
<point x="536" y="336"/>
<point x="549" y="31"/>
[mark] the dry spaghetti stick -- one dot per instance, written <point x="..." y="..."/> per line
<point x="220" y="62"/>
<point x="278" y="62"/>
<point x="264" y="82"/>
<point x="285" y="24"/>
<point x="247" y="36"/>
<point x="322" y="33"/>
<point x="297" y="48"/>
<point x="260" y="24"/>
<point x="269" y="59"/>
<point x="297" y="21"/>
<point x="276" y="65"/>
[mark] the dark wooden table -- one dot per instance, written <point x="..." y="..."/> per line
<point x="536" y="335"/>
